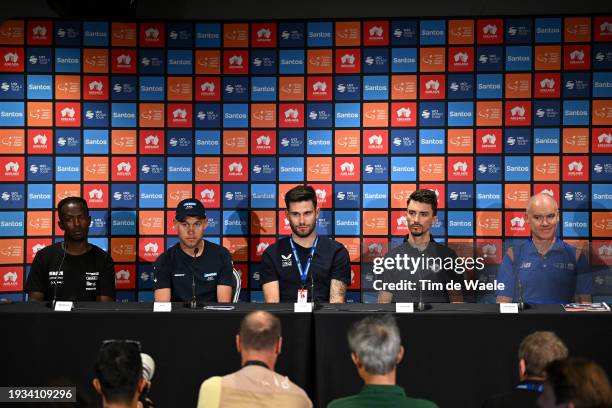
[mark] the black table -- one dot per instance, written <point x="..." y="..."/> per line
<point x="41" y="346"/>
<point x="456" y="355"/>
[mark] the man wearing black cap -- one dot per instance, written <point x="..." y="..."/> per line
<point x="193" y="258"/>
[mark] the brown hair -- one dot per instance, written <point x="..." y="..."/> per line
<point x="259" y="330"/>
<point x="301" y="193"/>
<point x="539" y="349"/>
<point x="425" y="196"/>
<point x="580" y="381"/>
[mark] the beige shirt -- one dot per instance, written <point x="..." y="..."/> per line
<point x="252" y="386"/>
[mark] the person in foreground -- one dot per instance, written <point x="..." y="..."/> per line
<point x="118" y="374"/>
<point x="545" y="269"/>
<point x="376" y="351"/>
<point x="259" y="343"/>
<point x="72" y="270"/>
<point x="575" y="383"/>
<point x="295" y="267"/>
<point x="193" y="259"/>
<point x="536" y="351"/>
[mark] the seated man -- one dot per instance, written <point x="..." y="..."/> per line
<point x="575" y="383"/>
<point x="376" y="350"/>
<point x="536" y="351"/>
<point x="421" y="213"/>
<point x="74" y="269"/>
<point x="193" y="258"/>
<point x="548" y="269"/>
<point x="305" y="263"/>
<point x="118" y="378"/>
<point x="256" y="384"/>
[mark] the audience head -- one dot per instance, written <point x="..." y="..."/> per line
<point x="575" y="383"/>
<point x="536" y="351"/>
<point x="260" y="335"/>
<point x="118" y="372"/>
<point x="375" y="345"/>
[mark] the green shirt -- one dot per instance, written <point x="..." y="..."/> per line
<point x="381" y="396"/>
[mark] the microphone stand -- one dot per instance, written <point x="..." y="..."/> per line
<point x="52" y="303"/>
<point x="194" y="303"/>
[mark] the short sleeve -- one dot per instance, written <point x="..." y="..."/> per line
<point x="341" y="266"/>
<point x="505" y="275"/>
<point x="268" y="271"/>
<point x="107" y="283"/>
<point x="226" y="274"/>
<point x="38" y="279"/>
<point x="161" y="272"/>
<point x="584" y="278"/>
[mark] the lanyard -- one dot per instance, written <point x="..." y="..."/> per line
<point x="303" y="273"/>
<point x="530" y="387"/>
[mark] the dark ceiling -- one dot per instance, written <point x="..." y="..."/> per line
<point x="292" y="9"/>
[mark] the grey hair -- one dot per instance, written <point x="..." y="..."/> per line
<point x="376" y="341"/>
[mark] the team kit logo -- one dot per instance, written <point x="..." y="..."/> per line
<point x="135" y="116"/>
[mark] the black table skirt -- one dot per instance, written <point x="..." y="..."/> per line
<point x="455" y="355"/>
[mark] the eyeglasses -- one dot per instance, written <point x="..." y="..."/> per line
<point x="134" y="343"/>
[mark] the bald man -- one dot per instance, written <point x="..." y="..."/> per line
<point x="256" y="384"/>
<point x="549" y="270"/>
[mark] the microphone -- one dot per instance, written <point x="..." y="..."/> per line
<point x="193" y="304"/>
<point x="420" y="304"/>
<point x="52" y="303"/>
<point x="314" y="302"/>
<point x="519" y="286"/>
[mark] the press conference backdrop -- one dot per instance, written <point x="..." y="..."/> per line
<point x="135" y="116"/>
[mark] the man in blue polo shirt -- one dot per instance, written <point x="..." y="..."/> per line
<point x="548" y="269"/>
